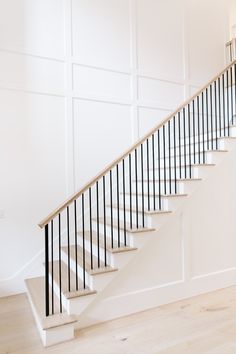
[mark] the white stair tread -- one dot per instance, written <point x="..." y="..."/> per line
<point x="121" y="225"/>
<point x="35" y="287"/>
<point x="115" y="249"/>
<point x="176" y="195"/>
<point x="127" y="208"/>
<point x="96" y="270"/>
<point x="64" y="281"/>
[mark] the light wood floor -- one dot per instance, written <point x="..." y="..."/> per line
<point x="202" y="325"/>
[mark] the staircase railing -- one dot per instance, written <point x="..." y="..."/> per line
<point x="99" y="216"/>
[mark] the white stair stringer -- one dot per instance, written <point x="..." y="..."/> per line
<point x="136" y="239"/>
<point x="94" y="313"/>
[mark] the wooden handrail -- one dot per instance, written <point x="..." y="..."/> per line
<point x="127" y="152"/>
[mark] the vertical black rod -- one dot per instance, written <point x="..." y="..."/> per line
<point x="231" y="91"/>
<point x="194" y="134"/>
<point x="223" y="96"/>
<point x="148" y="178"/>
<point x="98" y="231"/>
<point x="111" y="201"/>
<point x="228" y="103"/>
<point x="118" y="203"/>
<point x="169" y="143"/>
<point x="234" y="93"/>
<point x="164" y="157"/>
<point x="159" y="168"/>
<point x="123" y="165"/>
<point x="59" y="257"/>
<point x="83" y="233"/>
<point x="198" y="125"/>
<point x="46" y="271"/>
<point x="212" y="128"/>
<point x="104" y="220"/>
<point x="136" y="185"/>
<point x="153" y="172"/>
<point x="52" y="267"/>
<point x="216" y="124"/>
<point x="175" y="173"/>
<point x="90" y="228"/>
<point x="180" y="164"/>
<point x="68" y="245"/>
<point x="189" y="142"/>
<point x="207" y="119"/>
<point x="130" y="192"/>
<point x="185" y="156"/>
<point x="219" y="103"/>
<point x="76" y="247"/>
<point x="203" y="129"/>
<point x="142" y="185"/>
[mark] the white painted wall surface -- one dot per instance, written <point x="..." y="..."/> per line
<point x="77" y="76"/>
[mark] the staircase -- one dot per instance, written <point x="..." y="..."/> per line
<point x="96" y="233"/>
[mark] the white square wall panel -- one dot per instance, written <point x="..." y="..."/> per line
<point x="160" y="92"/>
<point x="206" y="37"/>
<point x="160" y="38"/>
<point x="32" y="26"/>
<point x="102" y="83"/>
<point x="149" y="118"/>
<point x="102" y="133"/>
<point x="31" y="73"/>
<point x="101" y="33"/>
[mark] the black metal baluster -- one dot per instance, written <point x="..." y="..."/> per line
<point x="194" y="133"/>
<point x="98" y="231"/>
<point x="118" y="203"/>
<point x="227" y="92"/>
<point x="46" y="271"/>
<point x="83" y="233"/>
<point x="185" y="156"/>
<point x="76" y="247"/>
<point x="104" y="221"/>
<point x="136" y="185"/>
<point x="212" y="128"/>
<point x="142" y="185"/>
<point x="90" y="228"/>
<point x="59" y="257"/>
<point x="130" y="192"/>
<point x="234" y="92"/>
<point x="148" y="178"/>
<point x="207" y="119"/>
<point x="169" y="157"/>
<point x="159" y="168"/>
<point x="111" y="201"/>
<point x="203" y="129"/>
<point x="68" y="245"/>
<point x="52" y="267"/>
<point x="199" y="134"/>
<point x="123" y="165"/>
<point x="164" y="157"/>
<point x="219" y="102"/>
<point x="223" y="97"/>
<point x="175" y="173"/>
<point x="189" y="142"/>
<point x="231" y="92"/>
<point x="180" y="165"/>
<point x="216" y="125"/>
<point x="153" y="172"/>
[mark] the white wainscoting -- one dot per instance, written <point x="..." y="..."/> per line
<point x="77" y="75"/>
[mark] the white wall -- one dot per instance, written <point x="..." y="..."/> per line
<point x="77" y="77"/>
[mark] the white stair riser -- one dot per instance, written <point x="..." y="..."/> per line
<point x="168" y="203"/>
<point x="73" y="306"/>
<point x="147" y="218"/>
<point x="116" y="260"/>
<point x="95" y="282"/>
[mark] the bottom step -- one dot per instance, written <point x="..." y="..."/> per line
<point x="54" y="328"/>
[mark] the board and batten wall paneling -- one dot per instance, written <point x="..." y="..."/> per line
<point x="82" y="75"/>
